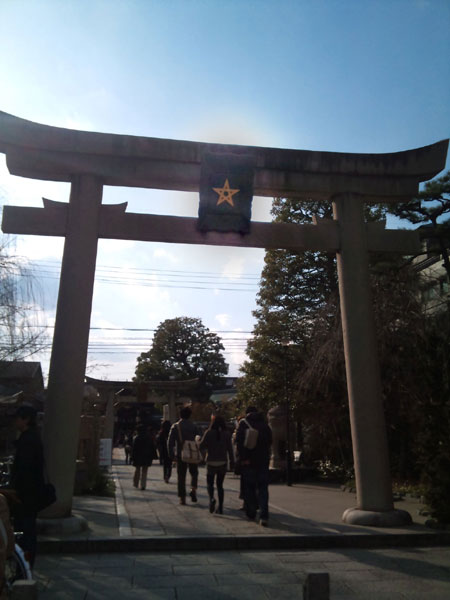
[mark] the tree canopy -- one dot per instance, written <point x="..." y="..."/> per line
<point x="431" y="210"/>
<point x="183" y="348"/>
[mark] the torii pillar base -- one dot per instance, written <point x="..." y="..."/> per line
<point x="377" y="518"/>
<point x="62" y="526"/>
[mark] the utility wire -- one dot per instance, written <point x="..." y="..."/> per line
<point x="141" y="329"/>
<point x="163" y="284"/>
<point x="161" y="277"/>
<point x="57" y="264"/>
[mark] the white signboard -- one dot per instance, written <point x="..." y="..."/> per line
<point x="105" y="452"/>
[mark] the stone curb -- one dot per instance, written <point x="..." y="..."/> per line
<point x="261" y="542"/>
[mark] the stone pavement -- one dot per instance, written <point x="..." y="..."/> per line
<point x="372" y="574"/>
<point x="143" y="544"/>
<point x="304" y="516"/>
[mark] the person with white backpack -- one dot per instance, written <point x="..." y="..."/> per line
<point x="182" y="446"/>
<point x="253" y="442"/>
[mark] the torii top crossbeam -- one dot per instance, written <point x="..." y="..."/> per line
<point x="57" y="154"/>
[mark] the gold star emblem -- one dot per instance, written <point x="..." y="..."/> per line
<point x="225" y="193"/>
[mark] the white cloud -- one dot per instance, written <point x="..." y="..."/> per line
<point x="234" y="268"/>
<point x="40" y="247"/>
<point x="261" y="208"/>
<point x="21" y="191"/>
<point x="75" y="121"/>
<point x="164" y="254"/>
<point x="223" y="319"/>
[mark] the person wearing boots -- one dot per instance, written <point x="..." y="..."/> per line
<point x="255" y="464"/>
<point x="216" y="442"/>
<point x="161" y="442"/>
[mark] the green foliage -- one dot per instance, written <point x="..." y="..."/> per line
<point x="298" y="301"/>
<point x="334" y="472"/>
<point x="293" y="287"/>
<point x="98" y="483"/>
<point x="433" y="447"/>
<point x="183" y="348"/>
<point x="431" y="210"/>
<point x="429" y="206"/>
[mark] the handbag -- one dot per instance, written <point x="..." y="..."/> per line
<point x="190" y="452"/>
<point x="251" y="436"/>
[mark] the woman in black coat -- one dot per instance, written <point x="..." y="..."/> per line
<point x="162" y="438"/>
<point x="142" y="454"/>
<point x="27" y="478"/>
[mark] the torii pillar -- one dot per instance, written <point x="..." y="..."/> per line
<point x="90" y="160"/>
<point x="370" y="446"/>
<point x="70" y="339"/>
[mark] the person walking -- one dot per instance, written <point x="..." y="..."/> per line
<point x="237" y="463"/>
<point x="255" y="464"/>
<point x="161" y="442"/>
<point x="181" y="431"/>
<point x="216" y="442"/>
<point x="128" y="444"/>
<point x="27" y="478"/>
<point x="143" y="452"/>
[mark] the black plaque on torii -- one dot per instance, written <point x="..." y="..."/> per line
<point x="226" y="193"/>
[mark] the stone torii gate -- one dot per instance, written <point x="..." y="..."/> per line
<point x="88" y="161"/>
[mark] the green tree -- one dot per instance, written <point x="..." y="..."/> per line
<point x="293" y="288"/>
<point x="432" y="412"/>
<point x="298" y="301"/>
<point x="431" y="210"/>
<point x="183" y="348"/>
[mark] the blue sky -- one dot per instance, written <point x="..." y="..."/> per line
<point x="344" y="76"/>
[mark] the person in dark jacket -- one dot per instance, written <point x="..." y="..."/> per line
<point x="27" y="478"/>
<point x="143" y="452"/>
<point x="164" y="457"/>
<point x="127" y="445"/>
<point x="237" y="463"/>
<point x="182" y="430"/>
<point x="216" y="441"/>
<point x="255" y="465"/>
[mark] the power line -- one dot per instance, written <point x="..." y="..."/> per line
<point x="142" y="329"/>
<point x="163" y="284"/>
<point x="56" y="263"/>
<point x="183" y="279"/>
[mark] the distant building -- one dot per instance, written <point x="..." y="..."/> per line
<point x="21" y="377"/>
<point x="20" y="382"/>
<point x="225" y="392"/>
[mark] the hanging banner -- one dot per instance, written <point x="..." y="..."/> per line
<point x="226" y="193"/>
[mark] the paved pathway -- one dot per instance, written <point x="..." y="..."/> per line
<point x="302" y="511"/>
<point x="408" y="574"/>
